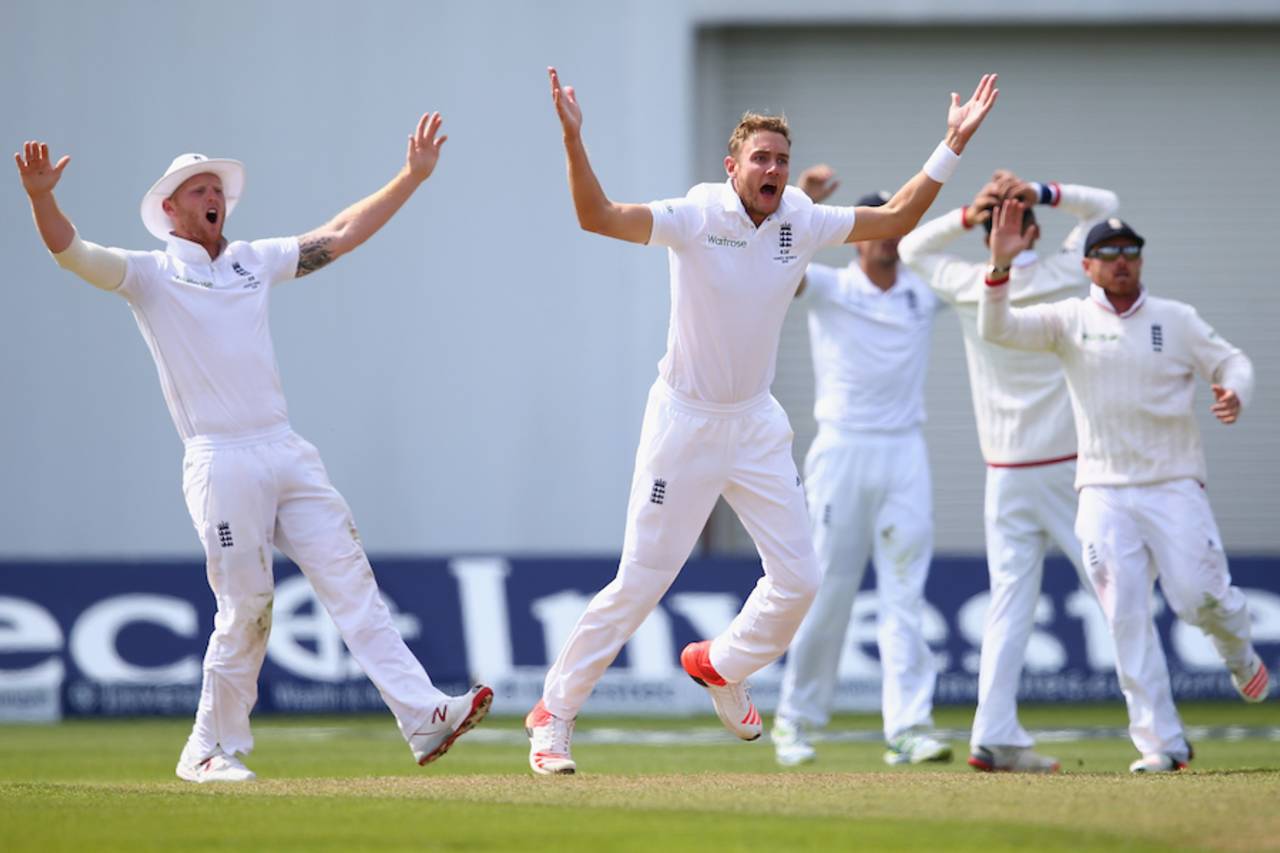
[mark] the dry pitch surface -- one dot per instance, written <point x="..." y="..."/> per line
<point x="344" y="784"/>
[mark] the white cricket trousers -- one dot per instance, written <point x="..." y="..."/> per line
<point x="246" y="494"/>
<point x="1025" y="510"/>
<point x="1131" y="535"/>
<point x="690" y="453"/>
<point x="870" y="496"/>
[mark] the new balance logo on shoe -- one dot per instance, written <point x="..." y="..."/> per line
<point x="439" y="714"/>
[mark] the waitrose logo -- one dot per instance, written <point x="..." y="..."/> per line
<point x="716" y="240"/>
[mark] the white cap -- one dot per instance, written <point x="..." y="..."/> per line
<point x="183" y="167"/>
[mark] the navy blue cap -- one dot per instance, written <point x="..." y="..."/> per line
<point x="874" y="199"/>
<point x="1106" y="230"/>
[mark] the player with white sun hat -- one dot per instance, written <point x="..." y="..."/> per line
<point x="250" y="482"/>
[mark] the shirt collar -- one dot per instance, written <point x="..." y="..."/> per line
<point x="866" y="285"/>
<point x="189" y="252"/>
<point x="1098" y="295"/>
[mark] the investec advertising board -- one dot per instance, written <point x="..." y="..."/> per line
<point x="123" y="639"/>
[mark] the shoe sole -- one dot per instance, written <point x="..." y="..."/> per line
<point x="479" y="708"/>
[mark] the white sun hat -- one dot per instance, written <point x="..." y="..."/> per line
<point x="183" y="167"/>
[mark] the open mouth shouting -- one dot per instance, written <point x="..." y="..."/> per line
<point x="211" y="215"/>
<point x="769" y="191"/>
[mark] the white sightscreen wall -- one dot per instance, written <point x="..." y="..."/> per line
<point x="474" y="376"/>
<point x="1181" y="123"/>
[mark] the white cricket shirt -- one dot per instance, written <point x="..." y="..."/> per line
<point x="1020" y="399"/>
<point x="870" y="347"/>
<point x="731" y="285"/>
<point x="1132" y="379"/>
<point x="205" y="323"/>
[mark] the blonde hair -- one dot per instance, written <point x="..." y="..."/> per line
<point x="754" y="122"/>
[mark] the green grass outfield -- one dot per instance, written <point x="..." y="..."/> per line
<point x="348" y="783"/>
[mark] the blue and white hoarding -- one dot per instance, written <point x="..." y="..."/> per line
<point x="127" y="639"/>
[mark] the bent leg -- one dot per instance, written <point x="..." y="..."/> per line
<point x="677" y="478"/>
<point x="315" y="529"/>
<point x="764" y="490"/>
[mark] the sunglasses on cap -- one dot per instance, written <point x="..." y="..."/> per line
<point x="1110" y="253"/>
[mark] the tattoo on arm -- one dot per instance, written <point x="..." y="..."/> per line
<point x="313" y="253"/>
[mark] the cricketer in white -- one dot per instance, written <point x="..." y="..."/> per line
<point x="1131" y="361"/>
<point x="737" y="252"/>
<point x="869" y="492"/>
<point x="1023" y="414"/>
<point x="250" y="482"/>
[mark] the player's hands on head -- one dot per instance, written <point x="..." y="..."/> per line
<point x="984" y="203"/>
<point x="1226" y="406"/>
<point x="964" y="119"/>
<point x="1007" y="236"/>
<point x="424" y="147"/>
<point x="566" y="104"/>
<point x="39" y="176"/>
<point x="819" y="182"/>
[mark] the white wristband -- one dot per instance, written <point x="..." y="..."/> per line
<point x="942" y="163"/>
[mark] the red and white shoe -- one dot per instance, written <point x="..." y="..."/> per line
<point x="550" y="742"/>
<point x="732" y="701"/>
<point x="449" y="721"/>
<point x="1253" y="682"/>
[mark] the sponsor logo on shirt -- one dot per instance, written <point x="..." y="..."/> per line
<point x="182" y="279"/>
<point x="725" y="242"/>
<point x="1086" y="337"/>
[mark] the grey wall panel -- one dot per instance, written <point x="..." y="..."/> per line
<point x="1180" y="122"/>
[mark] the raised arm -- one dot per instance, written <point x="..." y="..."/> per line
<point x="901" y="213"/>
<point x="103" y="268"/>
<point x="1036" y="327"/>
<point x="324" y="245"/>
<point x="596" y="213"/>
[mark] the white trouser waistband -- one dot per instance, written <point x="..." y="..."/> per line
<point x="707" y="409"/>
<point x="869" y="434"/>
<point x="238" y="439"/>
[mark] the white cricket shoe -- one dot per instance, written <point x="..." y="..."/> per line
<point x="916" y="748"/>
<point x="1011" y="759"/>
<point x="218" y="767"/>
<point x="550" y="742"/>
<point x="1161" y="762"/>
<point x="1252" y="682"/>
<point x="449" y="721"/>
<point x="732" y="700"/>
<point x="791" y="743"/>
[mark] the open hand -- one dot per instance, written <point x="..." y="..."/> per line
<point x="566" y="103"/>
<point x="424" y="147"/>
<point x="819" y="182"/>
<point x="964" y="119"/>
<point x="1007" y="236"/>
<point x="38" y="176"/>
<point x="1226" y="407"/>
